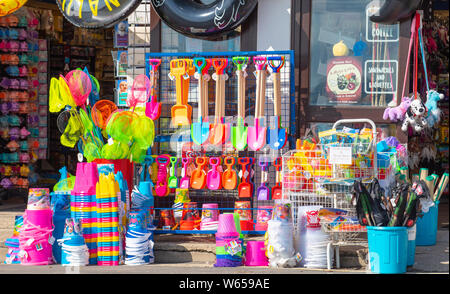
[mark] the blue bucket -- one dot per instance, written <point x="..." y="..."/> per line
<point x="388" y="248"/>
<point x="427" y="227"/>
<point x="59" y="221"/>
<point x="411" y="245"/>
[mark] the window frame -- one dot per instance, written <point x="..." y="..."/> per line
<point x="300" y="43"/>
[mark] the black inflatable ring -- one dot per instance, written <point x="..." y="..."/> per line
<point x="394" y="11"/>
<point x="96" y="14"/>
<point x="208" y="21"/>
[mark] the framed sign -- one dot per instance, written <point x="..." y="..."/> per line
<point x="121" y="93"/>
<point x="380" y="76"/>
<point x="121" y="34"/>
<point x="122" y="63"/>
<point x="344" y="78"/>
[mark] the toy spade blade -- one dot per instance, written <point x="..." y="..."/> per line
<point x="276" y="136"/>
<point x="229" y="176"/>
<point x="173" y="180"/>
<point x="263" y="192"/>
<point x="200" y="132"/>
<point x="153" y="109"/>
<point x="239" y="135"/>
<point x="256" y="136"/>
<point x="185" y="181"/>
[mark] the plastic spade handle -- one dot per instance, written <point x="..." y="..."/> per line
<point x="200" y="64"/>
<point x="154" y="64"/>
<point x="260" y="62"/>
<point x="219" y="65"/>
<point x="271" y="61"/>
<point x="240" y="62"/>
<point x="229" y="162"/>
<point x="277" y="164"/>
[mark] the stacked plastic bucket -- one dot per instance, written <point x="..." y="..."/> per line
<point x="139" y="244"/>
<point x="107" y="220"/>
<point x="83" y="205"/>
<point x="12" y="256"/>
<point x="229" y="241"/>
<point x="35" y="233"/>
<point x="74" y="249"/>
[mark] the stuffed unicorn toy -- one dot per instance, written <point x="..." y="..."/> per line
<point x="434" y="113"/>
<point x="397" y="113"/>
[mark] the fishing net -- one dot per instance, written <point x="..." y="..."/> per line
<point x="80" y="86"/>
<point x="73" y="129"/>
<point x="64" y="92"/>
<point x="143" y="131"/>
<point x="140" y="91"/>
<point x="119" y="126"/>
<point x="56" y="104"/>
<point x="101" y="111"/>
<point x="115" y="150"/>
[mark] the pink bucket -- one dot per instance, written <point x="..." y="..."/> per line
<point x="263" y="216"/>
<point x="255" y="254"/>
<point x="41" y="218"/>
<point x="39" y="253"/>
<point x="226" y="224"/>
<point x="210" y="216"/>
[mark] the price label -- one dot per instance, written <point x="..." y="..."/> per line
<point x="340" y="155"/>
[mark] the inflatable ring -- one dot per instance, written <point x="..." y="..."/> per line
<point x="92" y="14"/>
<point x="204" y="21"/>
<point x="394" y="11"/>
<point x="9" y="6"/>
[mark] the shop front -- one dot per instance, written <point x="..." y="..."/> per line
<point x="281" y="129"/>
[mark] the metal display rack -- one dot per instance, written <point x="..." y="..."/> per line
<point x="310" y="179"/>
<point x="164" y="131"/>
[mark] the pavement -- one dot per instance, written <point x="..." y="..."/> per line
<point x="195" y="254"/>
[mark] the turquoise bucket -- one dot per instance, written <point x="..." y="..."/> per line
<point x="388" y="248"/>
<point x="427" y="227"/>
<point x="411" y="245"/>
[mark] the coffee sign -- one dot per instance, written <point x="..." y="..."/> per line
<point x="376" y="32"/>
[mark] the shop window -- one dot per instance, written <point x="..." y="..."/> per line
<point x="353" y="61"/>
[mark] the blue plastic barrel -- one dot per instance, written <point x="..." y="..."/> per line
<point x="427" y="227"/>
<point x="411" y="245"/>
<point x="388" y="248"/>
<point x="59" y="221"/>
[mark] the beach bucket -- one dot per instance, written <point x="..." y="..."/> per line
<point x="226" y="224"/>
<point x="245" y="214"/>
<point x="167" y="220"/>
<point x="411" y="245"/>
<point x="388" y="249"/>
<point x="210" y="216"/>
<point x="282" y="212"/>
<point x="41" y="218"/>
<point x="264" y="214"/>
<point x="255" y="254"/>
<point x="39" y="253"/>
<point x="86" y="178"/>
<point x="427" y="227"/>
<point x="59" y="221"/>
<point x="38" y="199"/>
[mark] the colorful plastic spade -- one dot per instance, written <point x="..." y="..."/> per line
<point x="200" y="129"/>
<point x="184" y="182"/>
<point x="256" y="135"/>
<point x="181" y="111"/>
<point x="214" y="176"/>
<point x="153" y="107"/>
<point x="277" y="189"/>
<point x="245" y="188"/>
<point x="239" y="132"/>
<point x="162" y="188"/>
<point x="198" y="176"/>
<point x="173" y="180"/>
<point x="229" y="176"/>
<point x="276" y="136"/>
<point x="263" y="191"/>
<point x="217" y="133"/>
